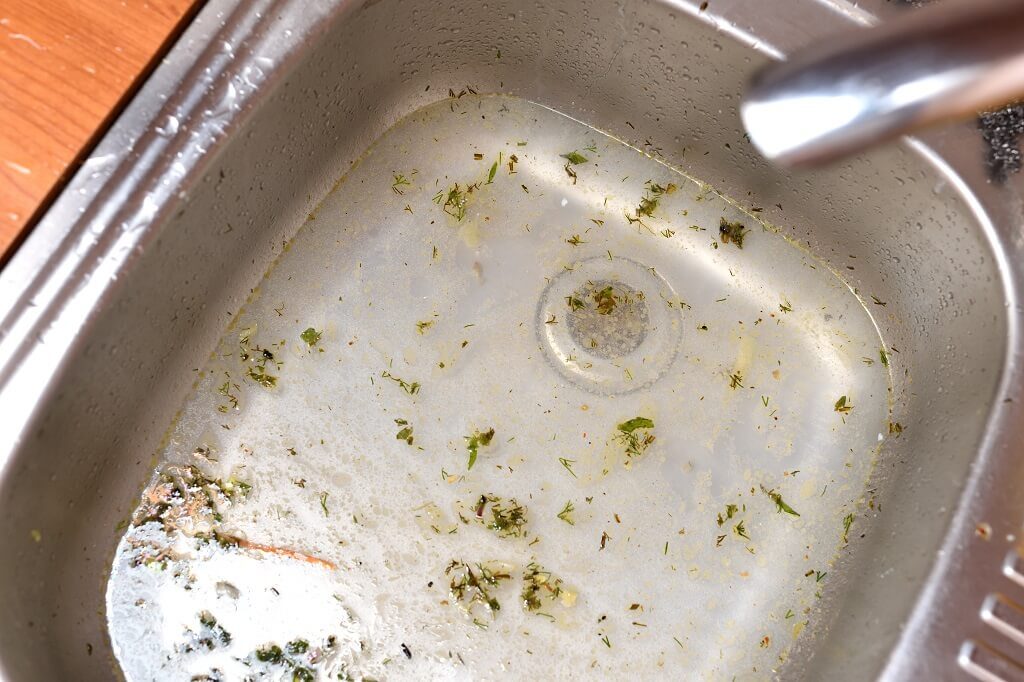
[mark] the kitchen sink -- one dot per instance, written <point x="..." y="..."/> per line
<point x="118" y="299"/>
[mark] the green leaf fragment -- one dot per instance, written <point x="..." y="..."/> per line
<point x="310" y="336"/>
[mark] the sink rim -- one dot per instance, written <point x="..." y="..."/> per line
<point x="30" y="303"/>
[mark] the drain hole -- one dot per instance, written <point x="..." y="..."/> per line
<point x="608" y="319"/>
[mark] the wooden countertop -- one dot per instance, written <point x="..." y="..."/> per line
<point x="66" y="67"/>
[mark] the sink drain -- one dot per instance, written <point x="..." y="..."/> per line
<point x="609" y="325"/>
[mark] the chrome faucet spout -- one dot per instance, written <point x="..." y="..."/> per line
<point x="936" y="64"/>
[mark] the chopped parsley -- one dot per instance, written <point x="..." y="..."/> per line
<point x="405" y="432"/>
<point x="474" y="442"/>
<point x="311" y="336"/>
<point x="606" y="300"/>
<point x="575" y="158"/>
<point x="780" y="504"/>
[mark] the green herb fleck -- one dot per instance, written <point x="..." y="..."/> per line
<point x="422" y="327"/>
<point x="575" y="158"/>
<point x="507" y="520"/>
<point x="667" y="233"/>
<point x="475" y="441"/>
<point x="567" y="463"/>
<point x="574" y="303"/>
<point x="842" y="406"/>
<point x="884" y="357"/>
<point x="311" y="336"/>
<point x="575" y="240"/>
<point x="538" y="585"/>
<point x="405" y="433"/>
<point x="731" y="233"/>
<point x="270" y="654"/>
<point x="470" y="588"/>
<point x="606" y="641"/>
<point x="847" y="522"/>
<point x="297" y="646"/>
<point x="634" y="435"/>
<point x="741" y="530"/>
<point x="566" y="513"/>
<point x="400" y="181"/>
<point x="411" y="389"/>
<point x="780" y="504"/>
<point x="323" y="503"/>
<point x="453" y="202"/>
<point x="491" y="173"/>
<point x="895" y="428"/>
<point x="605" y="300"/>
<point x="736" y="380"/>
<point x="786" y="306"/>
<point x="730" y="511"/>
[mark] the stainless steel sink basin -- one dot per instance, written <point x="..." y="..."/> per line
<point x="132" y="275"/>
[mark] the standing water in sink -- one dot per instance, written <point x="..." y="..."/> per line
<point x="517" y="399"/>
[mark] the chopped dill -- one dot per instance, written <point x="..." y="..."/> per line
<point x="842" y="405"/>
<point x="736" y="380"/>
<point x="730" y="511"/>
<point x="895" y="428"/>
<point x="566" y="513"/>
<point x="454" y="201"/>
<point x="410" y="388"/>
<point x="884" y="357"/>
<point x="507" y="520"/>
<point x="471" y="588"/>
<point x="574" y="303"/>
<point x="741" y="530"/>
<point x="575" y="240"/>
<point x="652" y="196"/>
<point x="538" y="584"/>
<point x="786" y="306"/>
<point x="422" y="327"/>
<point x="323" y="503"/>
<point x="567" y="463"/>
<point x="635" y="435"/>
<point x="667" y="233"/>
<point x="400" y="181"/>
<point x="847" y="522"/>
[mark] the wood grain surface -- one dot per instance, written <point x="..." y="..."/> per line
<point x="65" y="67"/>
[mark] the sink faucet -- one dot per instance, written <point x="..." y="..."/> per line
<point x="939" y="63"/>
